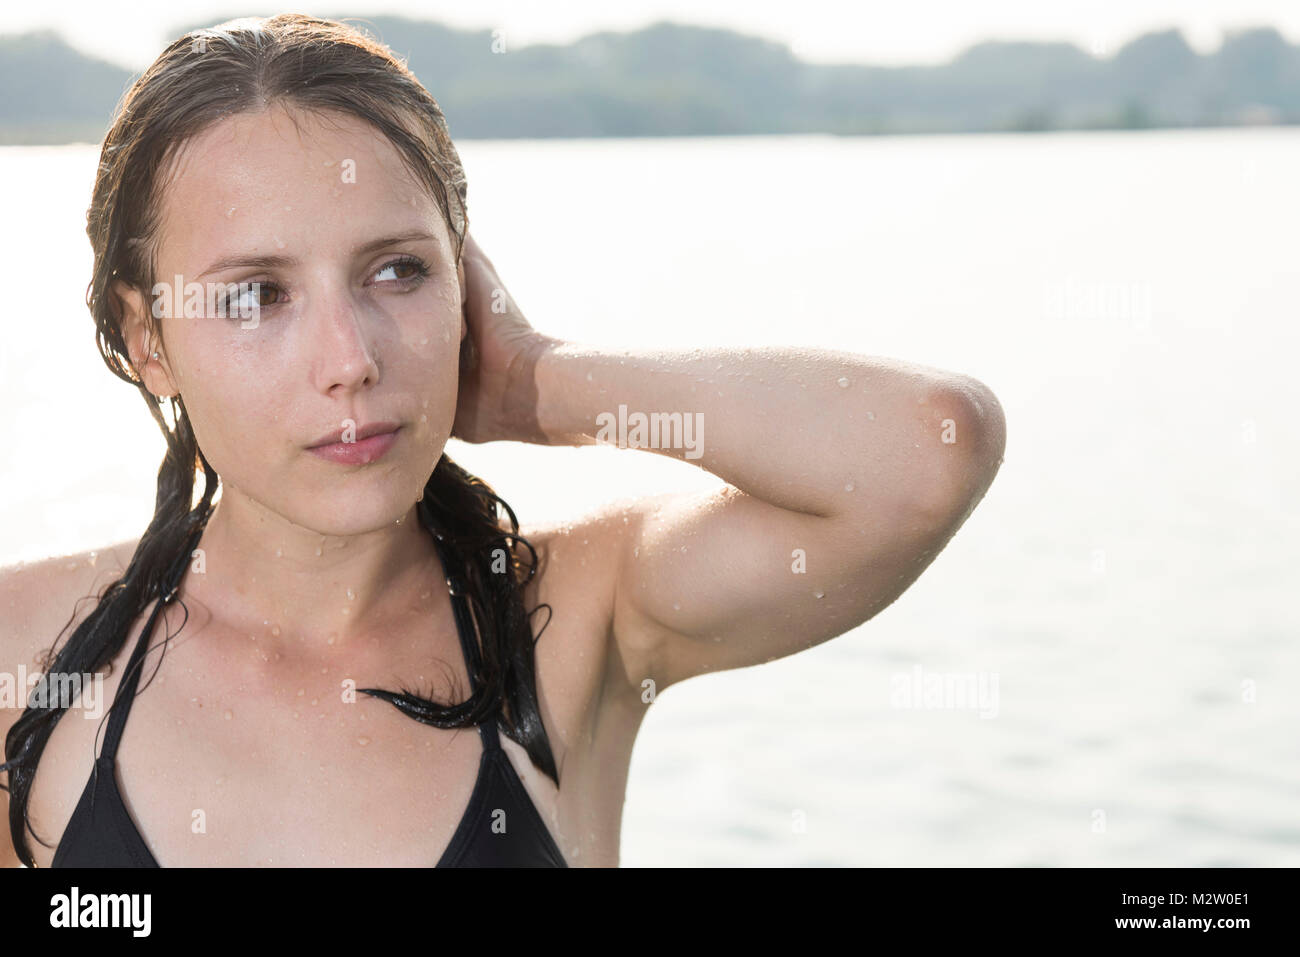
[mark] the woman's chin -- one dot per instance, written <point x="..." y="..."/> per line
<point x="356" y="512"/>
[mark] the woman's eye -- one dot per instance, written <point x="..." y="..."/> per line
<point x="407" y="271"/>
<point x="414" y="270"/>
<point x="250" y="296"/>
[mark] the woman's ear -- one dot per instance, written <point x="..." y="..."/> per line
<point x="140" y="345"/>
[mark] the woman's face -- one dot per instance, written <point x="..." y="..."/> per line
<point x="345" y="332"/>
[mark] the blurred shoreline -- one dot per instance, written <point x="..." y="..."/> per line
<point x="672" y="79"/>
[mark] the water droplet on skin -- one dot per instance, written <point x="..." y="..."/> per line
<point x="229" y="714"/>
<point x="301" y="692"/>
<point x="329" y="640"/>
<point x="676" y="606"/>
<point x="588" y="376"/>
<point x="424" y="342"/>
<point x="351" y="595"/>
<point x="230" y="212"/>
<point x="871" y="416"/>
<point x="363" y="741"/>
<point x="318" y="551"/>
<point x="844" y="383"/>
<point x="423" y="417"/>
<point x="314" y="700"/>
<point x="848" y="487"/>
<point x="287" y="208"/>
<point x="819" y="594"/>
<point x="278" y="553"/>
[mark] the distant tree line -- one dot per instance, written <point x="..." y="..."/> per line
<point x="671" y="79"/>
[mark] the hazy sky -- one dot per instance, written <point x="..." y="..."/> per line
<point x="868" y="31"/>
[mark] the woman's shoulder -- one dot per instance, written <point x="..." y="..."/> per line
<point x="588" y="549"/>
<point x="579" y="562"/>
<point x="580" y="678"/>
<point x="39" y="601"/>
<point x="578" y="551"/>
<point x="39" y="596"/>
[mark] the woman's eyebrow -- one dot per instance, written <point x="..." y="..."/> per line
<point x="274" y="261"/>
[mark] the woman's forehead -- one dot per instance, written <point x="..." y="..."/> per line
<point x="269" y="174"/>
<point x="261" y="154"/>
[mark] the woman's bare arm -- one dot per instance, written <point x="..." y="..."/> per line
<point x="847" y="474"/>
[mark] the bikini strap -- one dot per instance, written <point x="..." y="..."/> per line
<point x="126" y="689"/>
<point x="457" y="589"/>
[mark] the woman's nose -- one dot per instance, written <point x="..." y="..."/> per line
<point x="342" y="338"/>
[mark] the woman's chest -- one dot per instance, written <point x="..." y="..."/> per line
<point x="214" y="769"/>
<point x="286" y="779"/>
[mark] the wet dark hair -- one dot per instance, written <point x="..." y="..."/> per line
<point x="320" y="66"/>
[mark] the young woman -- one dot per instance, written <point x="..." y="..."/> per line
<point x="350" y="577"/>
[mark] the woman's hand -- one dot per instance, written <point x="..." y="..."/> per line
<point x="498" y="396"/>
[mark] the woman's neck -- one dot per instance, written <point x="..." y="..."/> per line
<point x="301" y="591"/>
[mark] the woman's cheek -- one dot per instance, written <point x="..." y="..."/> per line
<point x="234" y="408"/>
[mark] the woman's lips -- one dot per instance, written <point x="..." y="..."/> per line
<point x="361" y="452"/>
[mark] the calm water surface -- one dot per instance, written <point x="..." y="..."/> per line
<point x="1126" y="588"/>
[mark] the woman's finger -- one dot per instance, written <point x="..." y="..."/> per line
<point x="473" y="251"/>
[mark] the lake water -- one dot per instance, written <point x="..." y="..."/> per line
<point x="1129" y="583"/>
